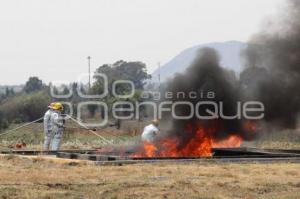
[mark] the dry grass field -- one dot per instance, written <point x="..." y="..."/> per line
<point x="40" y="178"/>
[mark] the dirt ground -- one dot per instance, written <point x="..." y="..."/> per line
<point x="39" y="178"/>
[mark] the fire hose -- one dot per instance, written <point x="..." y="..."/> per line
<point x="22" y="126"/>
<point x="73" y="119"/>
<point x="17" y="128"/>
<point x="88" y="129"/>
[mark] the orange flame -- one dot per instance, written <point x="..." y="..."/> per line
<point x="231" y="141"/>
<point x="200" y="145"/>
<point x="150" y="149"/>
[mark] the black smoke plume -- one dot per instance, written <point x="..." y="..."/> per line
<point x="273" y="68"/>
<point x="204" y="77"/>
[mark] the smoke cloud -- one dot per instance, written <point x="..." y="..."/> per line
<point x="205" y="77"/>
<point x="272" y="74"/>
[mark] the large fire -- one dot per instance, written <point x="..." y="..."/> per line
<point x="199" y="145"/>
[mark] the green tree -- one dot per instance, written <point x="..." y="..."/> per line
<point x="9" y="92"/>
<point x="33" y="84"/>
<point x="121" y="70"/>
<point x="134" y="71"/>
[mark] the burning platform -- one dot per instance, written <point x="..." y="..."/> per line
<point x="219" y="155"/>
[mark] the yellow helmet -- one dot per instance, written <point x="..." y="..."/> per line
<point x="155" y="122"/>
<point x="57" y="106"/>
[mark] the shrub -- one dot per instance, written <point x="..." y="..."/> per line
<point x="25" y="107"/>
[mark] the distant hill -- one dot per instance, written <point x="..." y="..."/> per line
<point x="230" y="58"/>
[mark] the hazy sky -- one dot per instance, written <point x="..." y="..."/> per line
<point x="52" y="38"/>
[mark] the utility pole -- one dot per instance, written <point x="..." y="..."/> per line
<point x="89" y="65"/>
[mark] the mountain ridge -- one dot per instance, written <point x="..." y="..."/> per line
<point x="230" y="54"/>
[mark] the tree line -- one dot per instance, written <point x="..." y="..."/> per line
<point x="31" y="102"/>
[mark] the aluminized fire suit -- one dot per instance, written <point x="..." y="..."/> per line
<point x="47" y="129"/>
<point x="57" y="126"/>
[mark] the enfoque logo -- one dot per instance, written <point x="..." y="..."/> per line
<point x="250" y="110"/>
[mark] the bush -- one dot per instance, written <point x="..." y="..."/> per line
<point x="25" y="107"/>
<point x="3" y="122"/>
